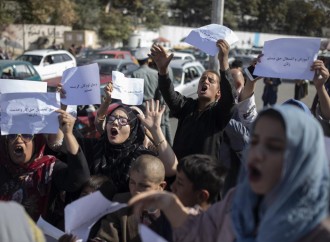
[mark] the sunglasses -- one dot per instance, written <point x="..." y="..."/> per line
<point x="25" y="137"/>
<point x="122" y="121"/>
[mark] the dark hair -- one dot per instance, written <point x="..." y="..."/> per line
<point x="96" y="181"/>
<point x="142" y="62"/>
<point x="204" y="172"/>
<point x="236" y="64"/>
<point x="215" y="73"/>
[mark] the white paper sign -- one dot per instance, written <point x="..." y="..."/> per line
<point x="289" y="58"/>
<point x="206" y="37"/>
<point x="49" y="229"/>
<point x="82" y="85"/>
<point x="147" y="235"/>
<point x="11" y="86"/>
<point x="79" y="220"/>
<point x="128" y="90"/>
<point x="29" y="113"/>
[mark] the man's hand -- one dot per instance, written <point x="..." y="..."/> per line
<point x="161" y="58"/>
<point x="223" y="54"/>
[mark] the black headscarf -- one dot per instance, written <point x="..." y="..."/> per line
<point x="114" y="161"/>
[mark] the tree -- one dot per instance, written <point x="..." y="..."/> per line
<point x="147" y="13"/>
<point x="115" y="27"/>
<point x="89" y="14"/>
<point x="60" y="12"/>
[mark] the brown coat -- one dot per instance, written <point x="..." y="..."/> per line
<point x="122" y="226"/>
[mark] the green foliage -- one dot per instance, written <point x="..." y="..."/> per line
<point x="115" y="19"/>
<point x="115" y="27"/>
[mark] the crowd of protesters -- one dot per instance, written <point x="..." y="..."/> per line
<point x="231" y="174"/>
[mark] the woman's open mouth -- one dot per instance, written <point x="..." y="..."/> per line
<point x="18" y="150"/>
<point x="114" y="132"/>
<point x="254" y="174"/>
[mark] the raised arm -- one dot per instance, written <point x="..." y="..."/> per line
<point x="320" y="78"/>
<point x="152" y="120"/>
<point x="162" y="59"/>
<point x="55" y="141"/>
<point x="227" y="88"/>
<point x="169" y="203"/>
<point x="250" y="86"/>
<point x="66" y="123"/>
<point x="102" y="111"/>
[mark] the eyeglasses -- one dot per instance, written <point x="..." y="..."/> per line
<point x="25" y="137"/>
<point x="122" y="121"/>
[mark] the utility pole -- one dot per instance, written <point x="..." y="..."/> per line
<point x="217" y="18"/>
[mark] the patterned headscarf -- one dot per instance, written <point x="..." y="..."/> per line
<point x="299" y="202"/>
<point x="28" y="184"/>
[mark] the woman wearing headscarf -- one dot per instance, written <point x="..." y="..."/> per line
<point x="118" y="146"/>
<point x="284" y="197"/>
<point x="31" y="178"/>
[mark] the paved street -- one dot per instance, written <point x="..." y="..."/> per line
<point x="286" y="91"/>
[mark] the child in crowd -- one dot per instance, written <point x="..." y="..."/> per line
<point x="198" y="181"/>
<point x="147" y="173"/>
<point x="284" y="197"/>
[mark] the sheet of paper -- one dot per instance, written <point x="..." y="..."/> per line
<point x="49" y="229"/>
<point x="29" y="113"/>
<point x="82" y="85"/>
<point x="10" y="86"/>
<point x="128" y="90"/>
<point x="147" y="235"/>
<point x="289" y="58"/>
<point x="206" y="37"/>
<point x="79" y="220"/>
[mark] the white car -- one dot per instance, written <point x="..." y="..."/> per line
<point x="183" y="56"/>
<point x="186" y="76"/>
<point x="49" y="64"/>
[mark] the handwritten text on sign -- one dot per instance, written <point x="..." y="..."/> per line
<point x="29" y="113"/>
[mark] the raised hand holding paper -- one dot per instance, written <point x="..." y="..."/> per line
<point x="82" y="85"/>
<point x="205" y="38"/>
<point x="289" y="58"/>
<point x="29" y="113"/>
<point x="128" y="90"/>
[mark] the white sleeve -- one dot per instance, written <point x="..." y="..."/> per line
<point x="247" y="111"/>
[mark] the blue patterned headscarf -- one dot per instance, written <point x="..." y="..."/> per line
<point x="299" y="202"/>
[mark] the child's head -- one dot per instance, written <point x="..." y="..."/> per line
<point x="199" y="180"/>
<point x="147" y="173"/>
<point x="93" y="184"/>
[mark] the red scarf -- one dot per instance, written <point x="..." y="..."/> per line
<point x="28" y="184"/>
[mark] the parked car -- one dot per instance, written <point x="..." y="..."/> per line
<point x="183" y="56"/>
<point x="246" y="60"/>
<point x="115" y="54"/>
<point x="20" y="70"/>
<point x="50" y="64"/>
<point x="106" y="66"/>
<point x="186" y="76"/>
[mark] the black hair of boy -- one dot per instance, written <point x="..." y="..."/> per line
<point x="205" y="173"/>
